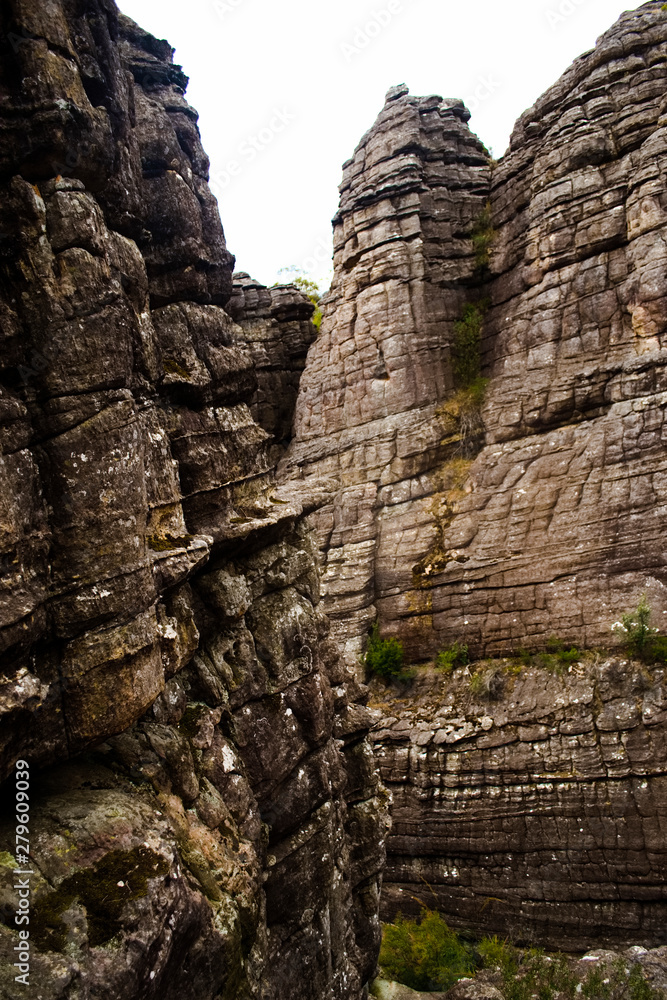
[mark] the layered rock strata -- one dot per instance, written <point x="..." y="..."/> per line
<point x="366" y="413"/>
<point x="276" y="328"/>
<point x="158" y="591"/>
<point x="537" y="813"/>
<point x="556" y="524"/>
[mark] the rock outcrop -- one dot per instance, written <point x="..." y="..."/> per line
<point x="209" y="822"/>
<point x="556" y="524"/>
<point x="276" y="328"/>
<point x="537" y="812"/>
<point x="540" y="511"/>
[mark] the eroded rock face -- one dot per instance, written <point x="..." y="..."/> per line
<point x="366" y="413"/>
<point x="556" y="525"/>
<point x="276" y="329"/>
<point x="537" y="814"/>
<point x="242" y="812"/>
<point x="158" y="591"/>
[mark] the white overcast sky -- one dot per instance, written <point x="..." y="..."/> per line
<point x="286" y="88"/>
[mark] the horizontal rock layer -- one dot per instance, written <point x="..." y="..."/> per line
<point x="275" y="326"/>
<point x="158" y="591"/>
<point x="539" y="814"/>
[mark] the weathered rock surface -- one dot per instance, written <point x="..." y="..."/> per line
<point x="366" y="413"/>
<point x="384" y="989"/>
<point x="158" y="591"/>
<point x="276" y="328"/>
<point x="556" y="525"/>
<point x="540" y="814"/>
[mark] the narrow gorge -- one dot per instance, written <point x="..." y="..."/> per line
<point x="206" y="503"/>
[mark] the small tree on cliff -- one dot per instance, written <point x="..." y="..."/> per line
<point x="294" y="276"/>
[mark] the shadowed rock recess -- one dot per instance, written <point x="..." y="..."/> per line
<point x="543" y="512"/>
<point x="206" y="819"/>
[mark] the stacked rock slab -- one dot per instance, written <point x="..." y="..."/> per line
<point x="157" y="590"/>
<point x="276" y="328"/>
<point x="556" y="525"/>
<point x="366" y="413"/>
<point x="538" y="812"/>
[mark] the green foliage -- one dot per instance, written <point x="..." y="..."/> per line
<point x="425" y="956"/>
<point x="658" y="649"/>
<point x="309" y="288"/>
<point x="495" y="953"/>
<point x="638" y="988"/>
<point x="635" y="631"/>
<point x="384" y="657"/>
<point x="455" y="656"/>
<point x="430" y="956"/>
<point x="532" y="974"/>
<point x="555" y="659"/>
<point x="466" y="360"/>
<point x="482" y="238"/>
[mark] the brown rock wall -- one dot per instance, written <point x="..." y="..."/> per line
<point x="275" y="326"/>
<point x="158" y="590"/>
<point x="539" y="814"/>
<point x="366" y="412"/>
<point x="555" y="525"/>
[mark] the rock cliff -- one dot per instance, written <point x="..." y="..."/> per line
<point x="555" y="525"/>
<point x="537" y="812"/>
<point x="276" y="328"/>
<point x="206" y="818"/>
<point x="538" y="510"/>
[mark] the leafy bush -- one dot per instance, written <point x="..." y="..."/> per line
<point x="658" y="649"/>
<point x="430" y="956"/>
<point x="309" y="288"/>
<point x="555" y="659"/>
<point x="466" y="360"/>
<point x="384" y="657"/>
<point x="482" y="238"/>
<point x="455" y="656"/>
<point x="495" y="953"/>
<point x="634" y="629"/>
<point x="426" y="955"/>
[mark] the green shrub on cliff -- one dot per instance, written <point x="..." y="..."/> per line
<point x="309" y="288"/>
<point x="466" y="358"/>
<point x="428" y="955"/>
<point x="639" y="637"/>
<point x="634" y="629"/>
<point x="482" y="238"/>
<point x="384" y="657"/>
<point x="455" y="656"/>
<point x="425" y="955"/>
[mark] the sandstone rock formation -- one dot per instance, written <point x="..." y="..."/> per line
<point x="218" y="831"/>
<point x="366" y="414"/>
<point x="276" y="328"/>
<point x="538" y="813"/>
<point x="556" y="524"/>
